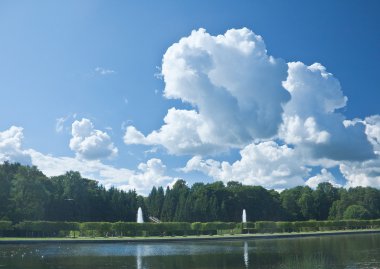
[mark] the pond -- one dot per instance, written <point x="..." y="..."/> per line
<point x="340" y="251"/>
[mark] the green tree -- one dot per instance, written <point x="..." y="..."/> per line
<point x="154" y="201"/>
<point x="28" y="194"/>
<point x="325" y="195"/>
<point x="168" y="207"/>
<point x="306" y="204"/>
<point x="7" y="173"/>
<point x="290" y="203"/>
<point x="356" y="212"/>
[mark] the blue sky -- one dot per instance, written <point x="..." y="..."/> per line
<point x="100" y="64"/>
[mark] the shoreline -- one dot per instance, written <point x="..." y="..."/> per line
<point x="168" y="239"/>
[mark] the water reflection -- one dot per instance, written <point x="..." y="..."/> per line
<point x="139" y="253"/>
<point x="335" y="252"/>
<point x="246" y="257"/>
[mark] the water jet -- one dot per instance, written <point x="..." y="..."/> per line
<point x="140" y="218"/>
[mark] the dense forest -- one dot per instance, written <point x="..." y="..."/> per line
<point x="27" y="194"/>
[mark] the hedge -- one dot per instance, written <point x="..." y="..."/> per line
<point x="104" y="229"/>
<point x="5" y="226"/>
<point x="46" y="228"/>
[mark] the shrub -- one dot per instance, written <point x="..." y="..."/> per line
<point x="266" y="226"/>
<point x="5" y="226"/>
<point x="284" y="226"/>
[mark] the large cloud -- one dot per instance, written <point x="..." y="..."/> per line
<point x="311" y="120"/>
<point x="233" y="85"/>
<point x="243" y="98"/>
<point x="89" y="143"/>
<point x="267" y="164"/>
<point x="283" y="117"/>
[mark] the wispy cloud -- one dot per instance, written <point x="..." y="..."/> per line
<point x="104" y="71"/>
<point x="158" y="74"/>
<point x="60" y="122"/>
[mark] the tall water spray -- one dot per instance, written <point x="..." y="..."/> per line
<point x="140" y="218"/>
<point x="244" y="216"/>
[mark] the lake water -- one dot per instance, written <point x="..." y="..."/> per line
<point x="330" y="252"/>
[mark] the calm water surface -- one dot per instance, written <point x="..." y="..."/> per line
<point x="330" y="252"/>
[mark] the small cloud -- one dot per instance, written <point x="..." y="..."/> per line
<point x="126" y="101"/>
<point x="151" y="151"/>
<point x="324" y="176"/>
<point x="125" y="124"/>
<point x="158" y="74"/>
<point x="103" y="71"/>
<point x="89" y="143"/>
<point x="60" y="122"/>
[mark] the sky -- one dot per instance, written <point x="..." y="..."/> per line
<point x="138" y="94"/>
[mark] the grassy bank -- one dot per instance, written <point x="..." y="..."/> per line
<point x="158" y="239"/>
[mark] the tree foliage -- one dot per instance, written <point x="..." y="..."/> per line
<point x="26" y="194"/>
<point x="356" y="212"/>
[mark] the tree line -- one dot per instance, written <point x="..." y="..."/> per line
<point x="219" y="202"/>
<point x="27" y="194"/>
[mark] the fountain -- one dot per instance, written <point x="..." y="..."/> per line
<point x="140" y="218"/>
<point x="244" y="216"/>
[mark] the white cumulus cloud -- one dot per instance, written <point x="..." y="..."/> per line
<point x="267" y="164"/>
<point x="148" y="174"/>
<point x="10" y="146"/>
<point x="324" y="176"/>
<point x="372" y="129"/>
<point x="242" y="97"/>
<point x="311" y="120"/>
<point x="184" y="132"/>
<point x="89" y="143"/>
<point x="362" y="173"/>
<point x="235" y="89"/>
